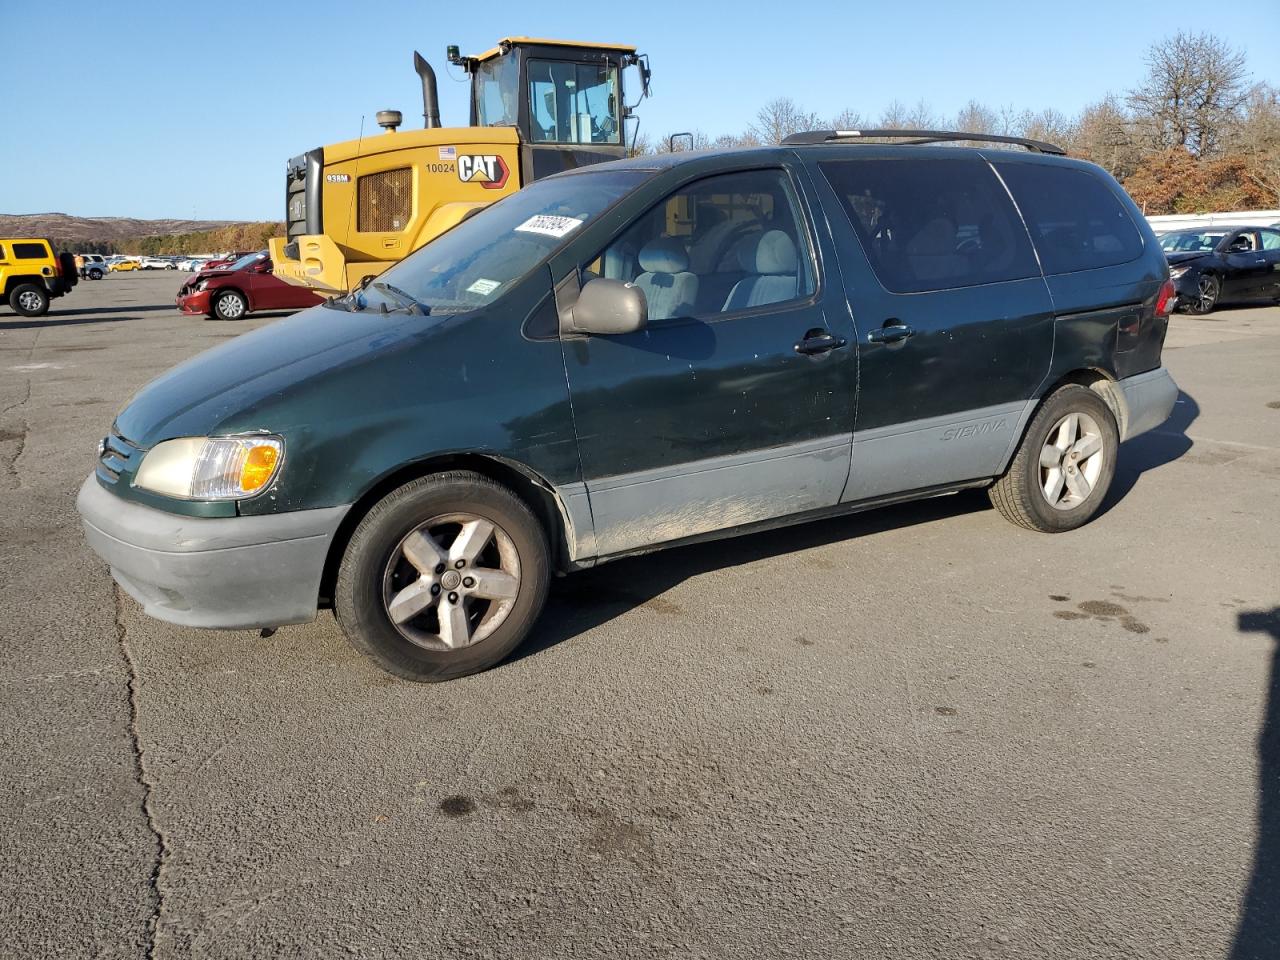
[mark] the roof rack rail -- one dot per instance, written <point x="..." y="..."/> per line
<point x="919" y="136"/>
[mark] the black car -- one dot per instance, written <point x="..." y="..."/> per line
<point x="1220" y="264"/>
<point x="636" y="355"/>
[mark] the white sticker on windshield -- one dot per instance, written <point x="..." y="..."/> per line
<point x="549" y="225"/>
<point x="484" y="287"/>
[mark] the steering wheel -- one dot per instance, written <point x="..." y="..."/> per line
<point x="969" y="245"/>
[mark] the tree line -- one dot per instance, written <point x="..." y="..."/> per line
<point x="1194" y="136"/>
<point x="236" y="236"/>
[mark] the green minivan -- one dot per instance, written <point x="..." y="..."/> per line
<point x="636" y="355"/>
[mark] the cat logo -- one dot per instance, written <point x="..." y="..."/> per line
<point x="487" y="169"/>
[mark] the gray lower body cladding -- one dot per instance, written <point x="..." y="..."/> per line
<point x="225" y="573"/>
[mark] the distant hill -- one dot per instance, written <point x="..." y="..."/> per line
<point x="129" y="235"/>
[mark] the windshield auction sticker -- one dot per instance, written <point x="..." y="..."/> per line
<point x="550" y="225"/>
<point x="484" y="287"/>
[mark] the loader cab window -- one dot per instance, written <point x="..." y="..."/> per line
<point x="573" y="102"/>
<point x="497" y="91"/>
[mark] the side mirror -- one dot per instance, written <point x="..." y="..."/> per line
<point x="263" y="266"/>
<point x="609" y="307"/>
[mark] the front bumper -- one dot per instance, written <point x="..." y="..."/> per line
<point x="227" y="573"/>
<point x="1148" y="400"/>
<point x="195" y="303"/>
<point x="1187" y="286"/>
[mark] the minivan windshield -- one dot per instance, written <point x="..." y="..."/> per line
<point x="480" y="259"/>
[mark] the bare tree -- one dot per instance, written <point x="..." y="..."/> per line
<point x="1195" y="87"/>
<point x="1257" y="137"/>
<point x="975" y="117"/>
<point x="1051" y="125"/>
<point x="898" y="116"/>
<point x="1104" y="133"/>
<point x="848" y="119"/>
<point x="780" y="118"/>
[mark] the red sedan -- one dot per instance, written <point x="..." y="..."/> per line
<point x="232" y="291"/>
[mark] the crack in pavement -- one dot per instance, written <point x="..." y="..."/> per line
<point x="25" y="398"/>
<point x="11" y="463"/>
<point x="143" y="776"/>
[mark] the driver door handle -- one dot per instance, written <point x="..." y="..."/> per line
<point x="819" y="341"/>
<point x="890" y="333"/>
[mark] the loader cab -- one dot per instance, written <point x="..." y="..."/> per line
<point x="565" y="99"/>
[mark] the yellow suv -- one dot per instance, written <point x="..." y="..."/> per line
<point x="32" y="274"/>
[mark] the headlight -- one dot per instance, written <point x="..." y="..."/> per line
<point x="201" y="285"/>
<point x="211" y="468"/>
<point x="1176" y="272"/>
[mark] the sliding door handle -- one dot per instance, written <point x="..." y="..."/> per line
<point x="890" y="333"/>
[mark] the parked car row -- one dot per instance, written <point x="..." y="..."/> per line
<point x="126" y="263"/>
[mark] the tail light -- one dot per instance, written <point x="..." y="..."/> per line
<point x="1164" y="300"/>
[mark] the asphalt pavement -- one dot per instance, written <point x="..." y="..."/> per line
<point x="915" y="732"/>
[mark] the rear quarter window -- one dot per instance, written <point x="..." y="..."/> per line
<point x="1076" y="221"/>
<point x="30" y="251"/>
<point x="931" y="224"/>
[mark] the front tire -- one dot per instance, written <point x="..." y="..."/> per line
<point x="95" y="274"/>
<point x="230" y="305"/>
<point x="444" y="577"/>
<point x="1208" y="290"/>
<point x="29" y="299"/>
<point x="1064" y="466"/>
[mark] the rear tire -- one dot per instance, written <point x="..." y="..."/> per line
<point x="29" y="299"/>
<point x="1064" y="465"/>
<point x="230" y="305"/>
<point x="427" y="519"/>
<point x="95" y="274"/>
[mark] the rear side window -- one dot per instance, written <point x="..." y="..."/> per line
<point x="1" y="251"/>
<point x="29" y="251"/>
<point x="1076" y="221"/>
<point x="930" y="224"/>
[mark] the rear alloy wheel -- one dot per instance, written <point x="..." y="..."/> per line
<point x="95" y="274"/>
<point x="230" y="305"/>
<point x="443" y="577"/>
<point x="1064" y="466"/>
<point x="29" y="300"/>
<point x="1208" y="289"/>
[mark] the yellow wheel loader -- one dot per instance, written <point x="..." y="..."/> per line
<point x="537" y="107"/>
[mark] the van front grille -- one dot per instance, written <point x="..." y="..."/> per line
<point x="117" y="456"/>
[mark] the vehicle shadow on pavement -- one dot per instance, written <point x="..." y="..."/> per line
<point x="124" y="308"/>
<point x="1164" y="444"/>
<point x="1258" y="935"/>
<point x="589" y="598"/>
<point x="55" y="321"/>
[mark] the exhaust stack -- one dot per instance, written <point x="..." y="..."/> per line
<point x="430" y="97"/>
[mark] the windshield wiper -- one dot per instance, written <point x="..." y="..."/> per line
<point x="405" y="298"/>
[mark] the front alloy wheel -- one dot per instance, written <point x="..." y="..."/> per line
<point x="230" y="305"/>
<point x="443" y="577"/>
<point x="1208" y="289"/>
<point x="451" y="582"/>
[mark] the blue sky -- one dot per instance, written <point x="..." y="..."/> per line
<point x="151" y="109"/>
